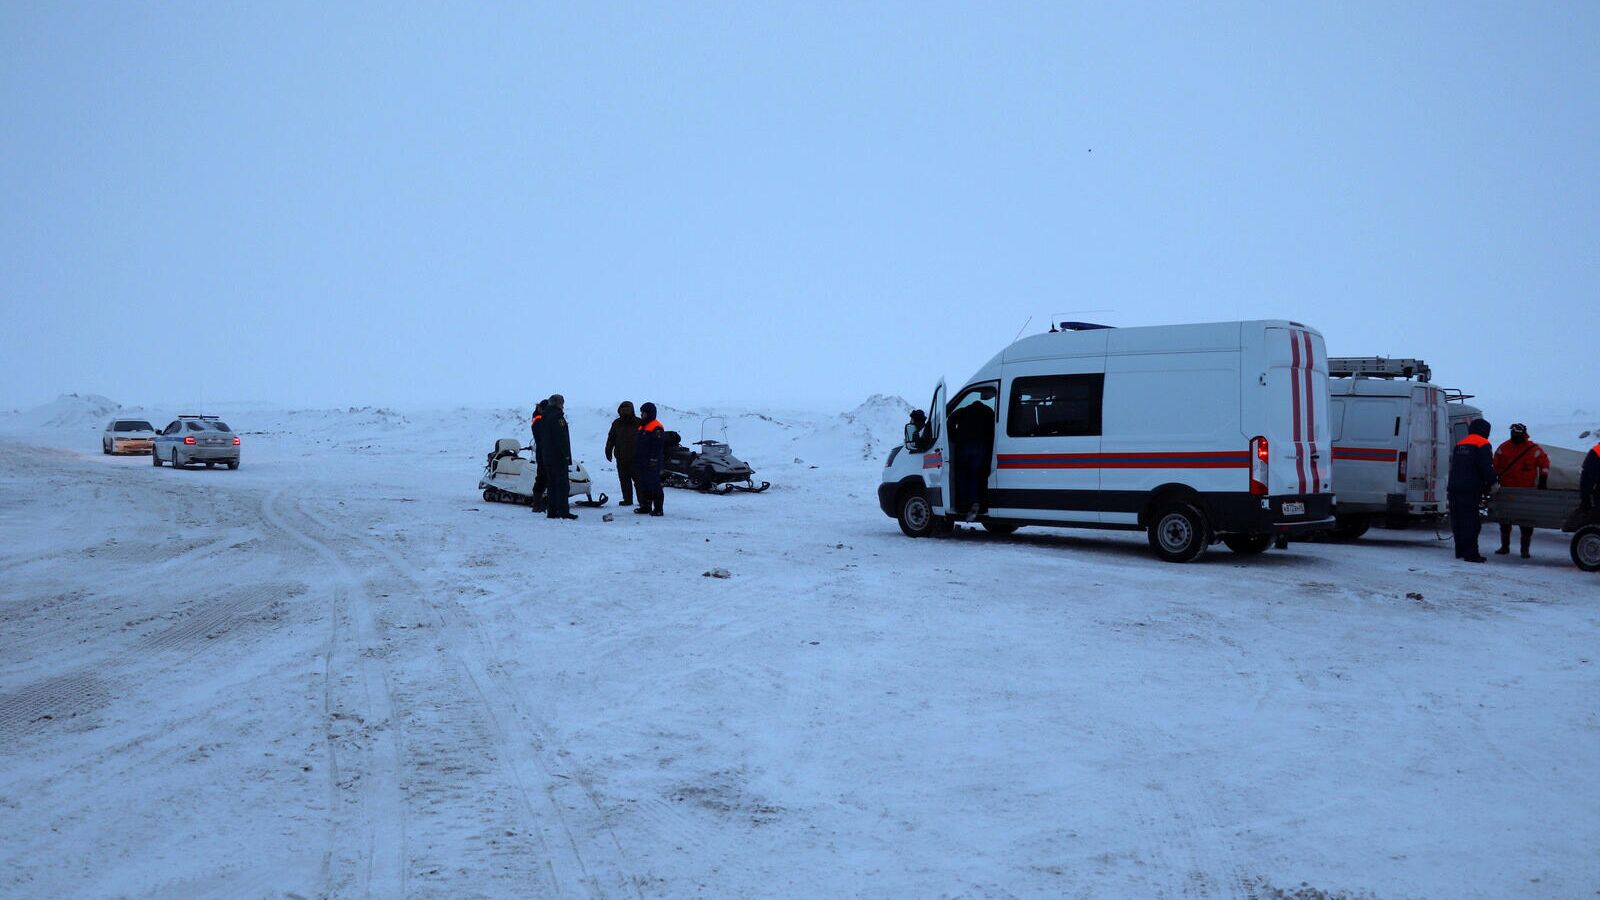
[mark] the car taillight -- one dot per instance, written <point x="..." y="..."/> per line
<point x="189" y="440"/>
<point x="1260" y="455"/>
<point x="1400" y="473"/>
<point x="236" y="442"/>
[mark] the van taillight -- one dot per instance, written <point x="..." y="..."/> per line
<point x="189" y="439"/>
<point x="1400" y="473"/>
<point x="1260" y="455"/>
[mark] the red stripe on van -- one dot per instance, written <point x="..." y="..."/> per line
<point x="1366" y="454"/>
<point x="933" y="460"/>
<point x="1311" y="411"/>
<point x="1200" y="459"/>
<point x="1294" y="399"/>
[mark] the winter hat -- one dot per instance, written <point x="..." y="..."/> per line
<point x="1519" y="430"/>
<point x="558" y="401"/>
<point x="625" y="408"/>
<point x="1479" y="427"/>
<point x="647" y="412"/>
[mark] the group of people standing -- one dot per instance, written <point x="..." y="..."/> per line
<point x="1516" y="463"/>
<point x="636" y="442"/>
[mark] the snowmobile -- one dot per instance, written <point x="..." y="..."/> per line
<point x="712" y="468"/>
<point x="508" y="477"/>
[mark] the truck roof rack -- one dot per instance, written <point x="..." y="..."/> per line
<point x="188" y="416"/>
<point x="1378" y="367"/>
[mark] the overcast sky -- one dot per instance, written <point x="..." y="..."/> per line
<point x="784" y="204"/>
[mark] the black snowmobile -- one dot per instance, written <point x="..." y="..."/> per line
<point x="711" y="468"/>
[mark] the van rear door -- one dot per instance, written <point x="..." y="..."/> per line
<point x="1427" y="447"/>
<point x="1296" y="415"/>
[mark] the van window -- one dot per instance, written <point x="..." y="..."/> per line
<point x="1371" y="420"/>
<point x="1056" y="406"/>
<point x="1336" y="419"/>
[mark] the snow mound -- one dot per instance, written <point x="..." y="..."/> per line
<point x="866" y="432"/>
<point x="72" y="411"/>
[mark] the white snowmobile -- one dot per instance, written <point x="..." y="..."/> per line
<point x="508" y="477"/>
<point x="712" y="468"/>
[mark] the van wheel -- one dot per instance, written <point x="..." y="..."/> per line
<point x="1000" y="529"/>
<point x="915" y="514"/>
<point x="1349" y="528"/>
<point x="1247" y="544"/>
<point x="1178" y="533"/>
<point x="1586" y="548"/>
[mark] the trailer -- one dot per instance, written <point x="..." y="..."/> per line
<point x="1552" y="510"/>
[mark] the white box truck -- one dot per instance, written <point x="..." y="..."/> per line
<point x="1192" y="433"/>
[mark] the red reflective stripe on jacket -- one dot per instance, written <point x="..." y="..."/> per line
<point x="652" y="425"/>
<point x="1476" y="440"/>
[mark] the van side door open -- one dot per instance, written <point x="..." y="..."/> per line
<point x="1047" y="445"/>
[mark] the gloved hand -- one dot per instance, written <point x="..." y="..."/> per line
<point x="1544" y="481"/>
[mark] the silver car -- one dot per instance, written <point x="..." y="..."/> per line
<point x="192" y="439"/>
<point x="127" y="436"/>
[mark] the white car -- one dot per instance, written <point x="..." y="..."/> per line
<point x="127" y="436"/>
<point x="197" y="439"/>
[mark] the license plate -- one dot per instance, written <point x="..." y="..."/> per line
<point x="1294" y="509"/>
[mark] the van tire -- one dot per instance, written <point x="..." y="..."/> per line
<point x="1248" y="544"/>
<point x="914" y="513"/>
<point x="1178" y="533"/>
<point x="1349" y="528"/>
<point x="999" y="529"/>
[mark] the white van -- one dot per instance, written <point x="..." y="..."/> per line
<point x="1391" y="442"/>
<point x="1193" y="433"/>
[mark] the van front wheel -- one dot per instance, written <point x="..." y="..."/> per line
<point x="915" y="514"/>
<point x="1178" y="533"/>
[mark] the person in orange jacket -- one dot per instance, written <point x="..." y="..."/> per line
<point x="1520" y="463"/>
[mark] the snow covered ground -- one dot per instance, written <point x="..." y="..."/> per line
<point x="337" y="672"/>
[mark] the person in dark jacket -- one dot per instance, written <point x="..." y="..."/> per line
<point x="620" y="442"/>
<point x="537" y="427"/>
<point x="917" y="432"/>
<point x="1589" y="480"/>
<point x="649" y="452"/>
<point x="556" y="456"/>
<point x="1471" y="477"/>
<point x="972" y="444"/>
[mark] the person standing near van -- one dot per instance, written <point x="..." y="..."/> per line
<point x="557" y="456"/>
<point x="620" y="442"/>
<point x="1520" y="463"/>
<point x="1471" y="477"/>
<point x="917" y="431"/>
<point x="649" y="452"/>
<point x="537" y="426"/>
<point x="972" y="444"/>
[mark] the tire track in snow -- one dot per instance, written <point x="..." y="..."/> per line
<point x="381" y="867"/>
<point x="524" y="739"/>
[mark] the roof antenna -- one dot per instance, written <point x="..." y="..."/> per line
<point x="1021" y="330"/>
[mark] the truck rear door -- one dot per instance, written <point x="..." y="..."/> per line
<point x="1296" y="416"/>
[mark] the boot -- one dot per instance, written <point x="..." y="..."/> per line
<point x="1527" y="544"/>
